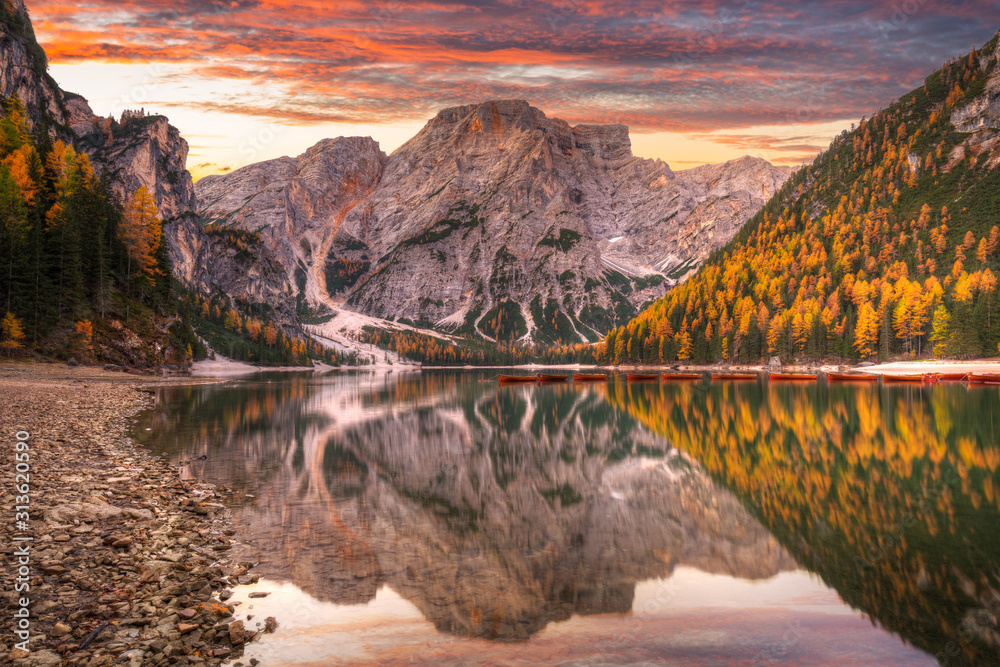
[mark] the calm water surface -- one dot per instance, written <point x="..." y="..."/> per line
<point x="438" y="518"/>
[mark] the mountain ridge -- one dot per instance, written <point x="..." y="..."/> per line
<point x="885" y="245"/>
<point x="494" y="220"/>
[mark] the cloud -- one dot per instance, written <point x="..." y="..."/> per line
<point x="765" y="142"/>
<point x="690" y="66"/>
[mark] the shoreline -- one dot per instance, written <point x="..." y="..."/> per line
<point x="988" y="365"/>
<point x="128" y="562"/>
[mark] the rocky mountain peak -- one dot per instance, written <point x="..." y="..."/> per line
<point x="24" y="68"/>
<point x="492" y="117"/>
<point x="15" y="7"/>
<point x="138" y="150"/>
<point x="494" y="220"/>
<point x="501" y="120"/>
<point x="606" y="142"/>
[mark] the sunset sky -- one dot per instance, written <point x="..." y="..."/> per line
<point x="696" y="81"/>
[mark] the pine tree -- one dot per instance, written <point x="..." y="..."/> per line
<point x="684" y="345"/>
<point x="13" y="230"/>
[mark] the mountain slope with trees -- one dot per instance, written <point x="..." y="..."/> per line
<point x="86" y="209"/>
<point x="885" y="245"/>
<point x="73" y="256"/>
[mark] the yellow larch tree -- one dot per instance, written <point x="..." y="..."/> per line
<point x="142" y="232"/>
<point x="866" y="331"/>
<point x="11" y="333"/>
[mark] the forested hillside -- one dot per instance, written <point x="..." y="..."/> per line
<point x="85" y="270"/>
<point x="82" y="274"/>
<point x="885" y="245"/>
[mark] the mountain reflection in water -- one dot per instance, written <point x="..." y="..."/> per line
<point x="497" y="511"/>
<point x="890" y="494"/>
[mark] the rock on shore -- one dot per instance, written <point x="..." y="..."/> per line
<point x="129" y="562"/>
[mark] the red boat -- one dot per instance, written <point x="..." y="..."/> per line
<point x="950" y="377"/>
<point x="589" y="377"/>
<point x="517" y="379"/>
<point x="678" y="377"/>
<point x="642" y="377"/>
<point x="907" y="379"/>
<point x="542" y="377"/>
<point x="984" y="378"/>
<point x="734" y="376"/>
<point x="851" y="377"/>
<point x="792" y="376"/>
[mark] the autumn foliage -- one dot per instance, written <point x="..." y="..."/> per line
<point x="885" y="245"/>
<point x="74" y="258"/>
<point x="11" y="334"/>
<point x="142" y="232"/>
<point x="247" y="332"/>
<point x="868" y="488"/>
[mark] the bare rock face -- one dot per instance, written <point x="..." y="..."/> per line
<point x="983" y="112"/>
<point x="136" y="151"/>
<point x="24" y="67"/>
<point x="494" y="220"/>
<point x="139" y="151"/>
<point x="296" y="207"/>
<point x="724" y="197"/>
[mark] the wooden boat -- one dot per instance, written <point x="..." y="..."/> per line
<point x="984" y="378"/>
<point x="542" y="377"/>
<point x="792" y="376"/>
<point x="678" y="377"/>
<point x="851" y="377"/>
<point x="642" y="377"/>
<point x="517" y="379"/>
<point x="951" y="377"/>
<point x="906" y="379"/>
<point x="734" y="376"/>
<point x="589" y="377"/>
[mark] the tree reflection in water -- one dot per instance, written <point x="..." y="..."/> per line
<point x="497" y="510"/>
<point x="889" y="494"/>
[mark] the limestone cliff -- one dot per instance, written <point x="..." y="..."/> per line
<point x="139" y="151"/>
<point x="136" y="151"/>
<point x="296" y="206"/>
<point x="494" y="219"/>
<point x="24" y="71"/>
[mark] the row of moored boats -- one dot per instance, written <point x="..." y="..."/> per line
<point x="887" y="378"/>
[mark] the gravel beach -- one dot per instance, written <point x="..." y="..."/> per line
<point x="127" y="562"/>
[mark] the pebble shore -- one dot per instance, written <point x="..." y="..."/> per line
<point x="129" y="562"/>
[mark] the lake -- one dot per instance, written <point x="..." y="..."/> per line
<point x="438" y="518"/>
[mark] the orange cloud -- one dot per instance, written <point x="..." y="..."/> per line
<point x="690" y="66"/>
